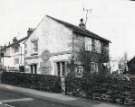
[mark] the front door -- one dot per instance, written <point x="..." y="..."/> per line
<point x="61" y="70"/>
<point x="33" y="68"/>
<point x="61" y="67"/>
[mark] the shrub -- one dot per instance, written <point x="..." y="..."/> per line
<point x="105" y="88"/>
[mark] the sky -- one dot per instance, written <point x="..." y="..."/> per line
<point x="111" y="19"/>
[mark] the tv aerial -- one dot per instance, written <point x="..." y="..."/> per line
<point x="86" y="15"/>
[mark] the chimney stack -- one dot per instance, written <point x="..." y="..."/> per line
<point x="29" y="32"/>
<point x="82" y="25"/>
<point x="15" y="40"/>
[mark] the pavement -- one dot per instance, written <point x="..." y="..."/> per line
<point x="58" y="98"/>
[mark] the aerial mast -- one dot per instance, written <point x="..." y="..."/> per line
<point x="86" y="16"/>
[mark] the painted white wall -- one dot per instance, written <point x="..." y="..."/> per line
<point x="10" y="56"/>
<point x="52" y="36"/>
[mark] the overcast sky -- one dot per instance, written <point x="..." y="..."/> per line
<point x="112" y="19"/>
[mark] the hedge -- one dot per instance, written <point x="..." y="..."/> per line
<point x="35" y="81"/>
<point x="105" y="89"/>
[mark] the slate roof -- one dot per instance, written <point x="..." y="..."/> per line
<point x="78" y="30"/>
<point x="131" y="60"/>
<point x="75" y="29"/>
<point x="12" y="44"/>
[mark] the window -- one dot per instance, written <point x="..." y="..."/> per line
<point x="16" y="60"/>
<point x="97" y="46"/>
<point x="25" y="52"/>
<point x="35" y="45"/>
<point x="25" y="45"/>
<point x="79" y="71"/>
<point x="25" y="48"/>
<point x="88" y="44"/>
<point x="106" y="50"/>
<point x="16" y="49"/>
<point x="93" y="67"/>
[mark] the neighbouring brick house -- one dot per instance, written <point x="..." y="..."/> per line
<point x="13" y="55"/>
<point x="53" y="42"/>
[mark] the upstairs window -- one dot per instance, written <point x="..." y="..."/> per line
<point x="16" y="61"/>
<point x="16" y="49"/>
<point x="88" y="44"/>
<point x="25" y="48"/>
<point x="25" y="52"/>
<point x="25" y="45"/>
<point x="97" y="46"/>
<point x="35" y="45"/>
<point x="106" y="49"/>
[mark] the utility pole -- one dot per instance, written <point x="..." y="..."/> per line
<point x="86" y="16"/>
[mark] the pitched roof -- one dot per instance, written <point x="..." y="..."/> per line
<point x="12" y="44"/>
<point x="78" y="30"/>
<point x="75" y="29"/>
<point x="131" y="60"/>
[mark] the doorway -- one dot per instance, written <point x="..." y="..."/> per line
<point x="61" y="68"/>
<point x="33" y="68"/>
<point x="61" y="71"/>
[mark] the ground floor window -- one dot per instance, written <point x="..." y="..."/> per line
<point x="79" y="71"/>
<point x="93" y="67"/>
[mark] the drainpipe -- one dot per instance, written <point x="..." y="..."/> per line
<point x="20" y="58"/>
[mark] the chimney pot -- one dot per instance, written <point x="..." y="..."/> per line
<point x="15" y="40"/>
<point x="82" y="25"/>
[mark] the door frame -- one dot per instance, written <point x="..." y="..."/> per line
<point x="60" y="73"/>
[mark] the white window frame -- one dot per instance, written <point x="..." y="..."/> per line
<point x="25" y="45"/>
<point x="16" y="49"/>
<point x="25" y="48"/>
<point x="98" y="46"/>
<point x="88" y="44"/>
<point x="34" y="47"/>
<point x="106" y="49"/>
<point x="16" y="61"/>
<point x="79" y="71"/>
<point x="95" y="69"/>
<point x="25" y="51"/>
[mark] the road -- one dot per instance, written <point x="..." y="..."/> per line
<point x="10" y="98"/>
<point x="13" y="99"/>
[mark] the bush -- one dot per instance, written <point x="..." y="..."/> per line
<point x="105" y="88"/>
<point x="35" y="81"/>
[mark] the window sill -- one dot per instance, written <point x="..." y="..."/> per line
<point x="34" y="54"/>
<point x="92" y="51"/>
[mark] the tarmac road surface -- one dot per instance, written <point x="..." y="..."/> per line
<point x="12" y="99"/>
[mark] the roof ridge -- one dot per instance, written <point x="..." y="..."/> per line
<point x="18" y="41"/>
<point x="77" y="29"/>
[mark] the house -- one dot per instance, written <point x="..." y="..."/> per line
<point x="129" y="69"/>
<point x="131" y="66"/>
<point x="118" y="65"/>
<point x="12" y="57"/>
<point x="53" y="43"/>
